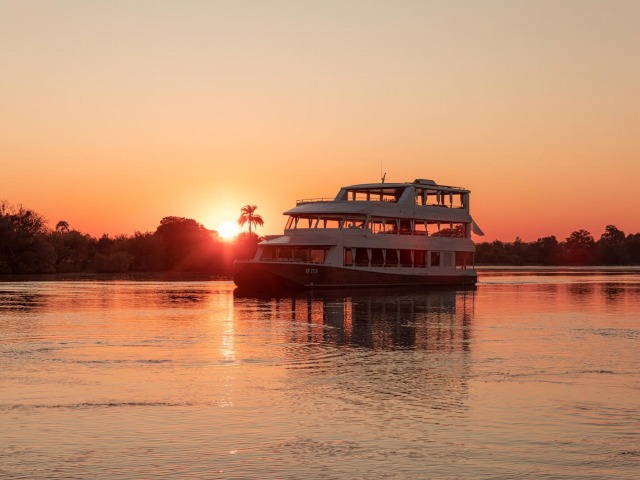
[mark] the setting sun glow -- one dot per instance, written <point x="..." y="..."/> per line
<point x="228" y="230"/>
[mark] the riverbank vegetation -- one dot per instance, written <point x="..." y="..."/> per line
<point x="29" y="245"/>
<point x="580" y="248"/>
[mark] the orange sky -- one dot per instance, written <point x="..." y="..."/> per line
<point x="116" y="114"/>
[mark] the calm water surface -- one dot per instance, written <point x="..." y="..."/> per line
<point x="536" y="374"/>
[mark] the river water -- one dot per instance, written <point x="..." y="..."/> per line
<point x="535" y="374"/>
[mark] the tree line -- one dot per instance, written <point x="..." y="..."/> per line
<point x="579" y="248"/>
<point x="28" y="245"/>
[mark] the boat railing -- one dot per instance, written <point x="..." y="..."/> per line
<point x="291" y="260"/>
<point x="313" y="200"/>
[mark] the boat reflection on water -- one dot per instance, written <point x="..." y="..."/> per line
<point x="356" y="347"/>
<point x="433" y="319"/>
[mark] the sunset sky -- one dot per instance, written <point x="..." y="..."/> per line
<point x="115" y="114"/>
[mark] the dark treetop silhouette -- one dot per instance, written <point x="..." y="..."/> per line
<point x="179" y="244"/>
<point x="28" y="245"/>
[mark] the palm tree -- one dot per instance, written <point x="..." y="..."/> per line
<point x="247" y="215"/>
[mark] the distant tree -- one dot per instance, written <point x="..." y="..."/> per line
<point x="547" y="251"/>
<point x="518" y="252"/>
<point x="246" y="245"/>
<point x="579" y="248"/>
<point x="632" y="243"/>
<point x="613" y="235"/>
<point x="24" y="246"/>
<point x="62" y="226"/>
<point x="118" y="262"/>
<point x="579" y="238"/>
<point x="188" y="245"/>
<point x="148" y="252"/>
<point x="490" y="253"/>
<point x="248" y="215"/>
<point x="74" y="251"/>
<point x="104" y="244"/>
<point x="612" y="248"/>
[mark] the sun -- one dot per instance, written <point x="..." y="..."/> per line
<point x="228" y="230"/>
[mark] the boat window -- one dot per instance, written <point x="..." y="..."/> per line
<point x="360" y="196"/>
<point x="460" y="229"/>
<point x="268" y="253"/>
<point x="452" y="229"/>
<point x="290" y="222"/>
<point x="354" y="222"/>
<point x="433" y="228"/>
<point x="376" y="225"/>
<point x="377" y="259"/>
<point x="458" y="200"/>
<point x="363" y="196"/>
<point x="391" y="258"/>
<point x="295" y="254"/>
<point x="318" y="255"/>
<point x="362" y="257"/>
<point x="464" y="260"/>
<point x="419" y="258"/>
<point x="405" y="226"/>
<point x="304" y="222"/>
<point x="329" y="222"/>
<point x="375" y="195"/>
<point x="406" y="259"/>
<point x="432" y="197"/>
<point x="284" y="253"/>
<point x="419" y="227"/>
<point x="390" y="225"/>
<point x="446" y="229"/>
<point x="348" y="257"/>
<point x="392" y="195"/>
<point x="441" y="198"/>
<point x="300" y="254"/>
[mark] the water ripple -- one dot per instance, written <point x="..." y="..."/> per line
<point x="85" y="405"/>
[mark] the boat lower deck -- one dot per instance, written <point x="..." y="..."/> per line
<point x="259" y="274"/>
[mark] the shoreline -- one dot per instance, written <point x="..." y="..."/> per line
<point x="204" y="276"/>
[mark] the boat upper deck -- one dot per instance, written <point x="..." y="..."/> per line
<point x="388" y="196"/>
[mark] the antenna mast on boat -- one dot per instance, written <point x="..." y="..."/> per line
<point x="381" y="175"/>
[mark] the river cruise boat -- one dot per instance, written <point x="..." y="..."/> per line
<point x="385" y="234"/>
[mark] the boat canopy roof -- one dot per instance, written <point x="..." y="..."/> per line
<point x="381" y="209"/>
<point x="329" y="207"/>
<point x="301" y="241"/>
<point x="418" y="182"/>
